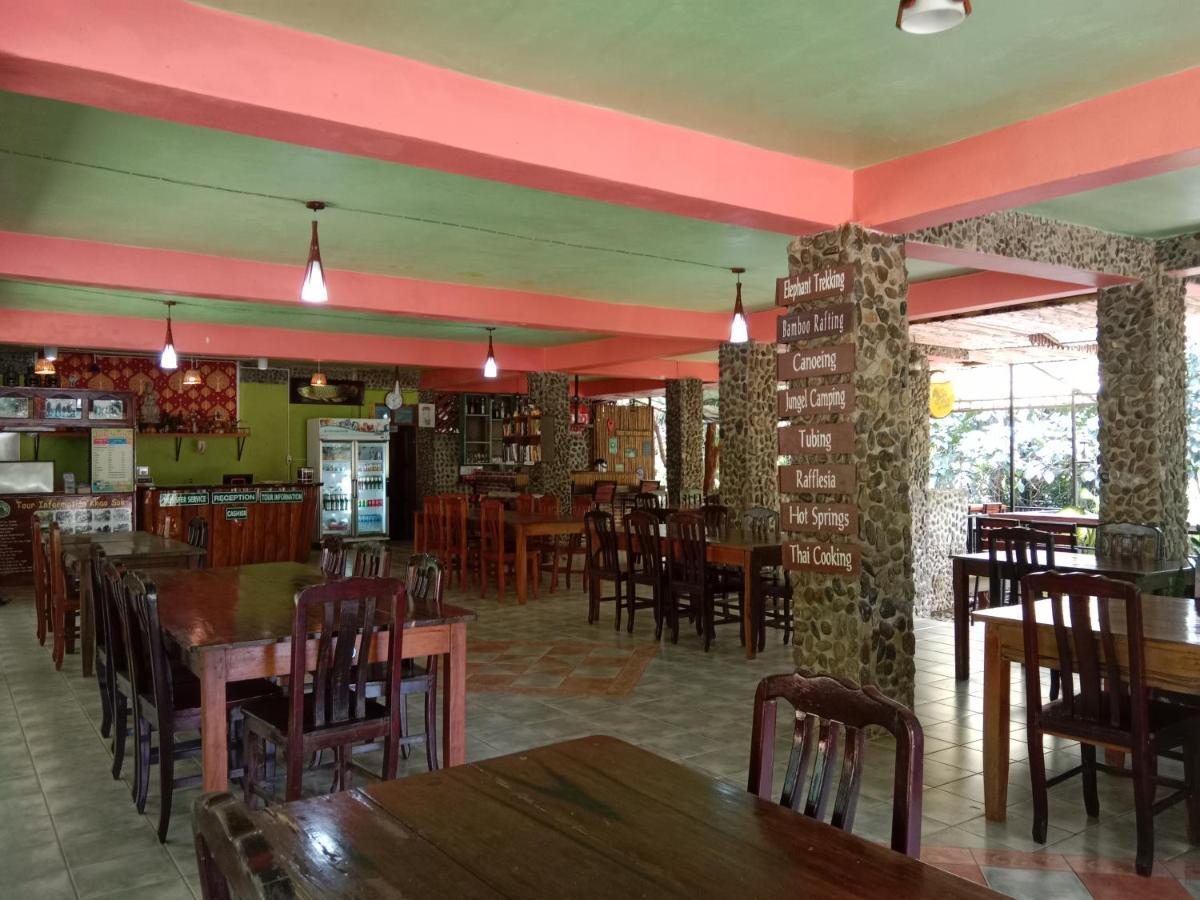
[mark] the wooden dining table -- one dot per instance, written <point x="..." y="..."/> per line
<point x="592" y="817"/>
<point x="1152" y="576"/>
<point x="132" y="549"/>
<point x="524" y="526"/>
<point x="1171" y="628"/>
<point x="235" y="624"/>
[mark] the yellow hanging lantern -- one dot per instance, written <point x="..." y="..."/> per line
<point x="941" y="395"/>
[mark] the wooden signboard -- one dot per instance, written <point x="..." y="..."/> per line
<point x="835" y="360"/>
<point x="819" y="518"/>
<point x="828" y="282"/>
<point x="803" y="324"/>
<point x="823" y="557"/>
<point x="804" y="439"/>
<point x="837" y="479"/>
<point x="817" y="400"/>
<point x="74" y="513"/>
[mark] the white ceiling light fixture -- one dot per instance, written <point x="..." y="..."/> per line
<point x="168" y="360"/>
<point x="50" y="353"/>
<point x="490" y="369"/>
<point x="931" y="16"/>
<point x="313" y="289"/>
<point x="739" y="331"/>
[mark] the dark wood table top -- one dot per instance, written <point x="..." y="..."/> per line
<point x="1089" y="562"/>
<point x="1168" y="620"/>
<point x="251" y="605"/>
<point x="121" y="546"/>
<point x="594" y="817"/>
<point x="516" y="518"/>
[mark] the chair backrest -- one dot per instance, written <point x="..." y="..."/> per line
<point x="347" y="615"/>
<point x="57" y="575"/>
<point x="491" y="526"/>
<point x="197" y="533"/>
<point x="604" y="492"/>
<point x="145" y="653"/>
<point x="98" y="561"/>
<point x="1023" y="550"/>
<point x="580" y="504"/>
<point x="166" y="526"/>
<point x="832" y="718"/>
<point x="687" y="550"/>
<point x="648" y="487"/>
<point x="1084" y="610"/>
<point x="1129" y="540"/>
<point x="600" y="529"/>
<point x="716" y="518"/>
<point x="691" y="499"/>
<point x="645" y="500"/>
<point x="431" y="524"/>
<point x="645" y="556"/>
<point x="372" y="559"/>
<point x="761" y="524"/>
<point x="41" y="580"/>
<point x="107" y="596"/>
<point x="423" y="578"/>
<point x="333" y="557"/>
<point x="234" y="857"/>
<point x="525" y="503"/>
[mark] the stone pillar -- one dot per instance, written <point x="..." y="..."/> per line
<point x="549" y="392"/>
<point x="437" y="458"/>
<point x="748" y="422"/>
<point x="685" y="440"/>
<point x="1143" y="406"/>
<point x="860" y="626"/>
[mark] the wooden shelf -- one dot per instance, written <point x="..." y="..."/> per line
<point x="180" y="436"/>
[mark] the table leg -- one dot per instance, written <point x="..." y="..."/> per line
<point x="87" y="615"/>
<point x="214" y="723"/>
<point x="962" y="624"/>
<point x="454" y="698"/>
<point x="995" y="727"/>
<point x="521" y="565"/>
<point x="749" y="605"/>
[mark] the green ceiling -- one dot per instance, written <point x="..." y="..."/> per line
<point x="831" y="80"/>
<point x="1162" y="206"/>
<point x="74" y="171"/>
<point x="90" y="301"/>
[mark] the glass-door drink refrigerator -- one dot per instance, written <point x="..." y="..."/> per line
<point x="351" y="461"/>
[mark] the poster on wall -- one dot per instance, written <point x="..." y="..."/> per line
<point x="339" y="391"/>
<point x="426" y="415"/>
<point x="112" y="460"/>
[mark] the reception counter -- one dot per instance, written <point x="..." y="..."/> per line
<point x="261" y="523"/>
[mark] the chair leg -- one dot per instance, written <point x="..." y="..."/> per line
<point x="1091" y="798"/>
<point x="1143" y="800"/>
<point x="294" y="778"/>
<point x="431" y="730"/>
<point x="631" y="599"/>
<point x="1191" y="778"/>
<point x="482" y="577"/>
<point x="617" y="604"/>
<point x="166" y="783"/>
<point x="403" y="724"/>
<point x="121" y="724"/>
<point x="106" y="702"/>
<point x="1037" y="778"/>
<point x="1055" y="678"/>
<point x="142" y="787"/>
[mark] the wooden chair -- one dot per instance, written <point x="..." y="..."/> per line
<point x="103" y="652"/>
<point x="691" y="499"/>
<point x="64" y="602"/>
<point x="166" y="526"/>
<point x="1110" y="709"/>
<point x="197" y="536"/>
<point x="572" y="545"/>
<point x="1129" y="540"/>
<point x="431" y="525"/>
<point x="496" y="552"/>
<point x="165" y="699"/>
<point x="692" y="583"/>
<point x="234" y="857"/>
<point x="372" y="559"/>
<point x="774" y="583"/>
<point x="41" y="583"/>
<point x="647" y="501"/>
<point x="456" y="544"/>
<point x="1023" y="550"/>
<point x="333" y="557"/>
<point x="832" y="715"/>
<point x="603" y="564"/>
<point x="336" y="713"/>
<point x="112" y="661"/>
<point x="644" y="558"/>
<point x="547" y="546"/>
<point x="604" y="496"/>
<point x="648" y="487"/>
<point x="525" y="503"/>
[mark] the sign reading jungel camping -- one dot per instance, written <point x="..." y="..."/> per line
<point x="817" y="400"/>
<point x="819" y="518"/>
<point x="836" y="479"/>
<point x="806" y="439"/>
<point x="830" y="559"/>
<point x="814" y="361"/>
<point x="803" y="324"/>
<point x="832" y="281"/>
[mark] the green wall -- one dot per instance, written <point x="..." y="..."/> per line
<point x="277" y="429"/>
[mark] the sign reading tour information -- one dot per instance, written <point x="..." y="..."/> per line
<point x="829" y="559"/>
<point x="817" y="400"/>
<point x="835" y="479"/>
<point x="808" y="439"/>
<point x="827" y="282"/>
<point x="819" y="518"/>
<point x="803" y="324"/>
<point x="835" y="360"/>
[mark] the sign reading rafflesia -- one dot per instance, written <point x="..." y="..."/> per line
<point x="826" y="558"/>
<point x="835" y="360"/>
<point x="807" y="439"/>
<point x="835" y="479"/>
<point x="819" y="518"/>
<point x="817" y="400"/>
<point x="832" y="281"/>
<point x="804" y="324"/>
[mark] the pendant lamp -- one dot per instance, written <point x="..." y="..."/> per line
<point x="490" y="370"/>
<point x="739" y="331"/>
<point x="191" y="378"/>
<point x="931" y="16"/>
<point x="43" y="366"/>
<point x="313" y="289"/>
<point x="318" y="377"/>
<point x="168" y="360"/>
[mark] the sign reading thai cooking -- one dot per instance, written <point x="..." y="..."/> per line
<point x="830" y="559"/>
<point x="816" y="479"/>
<point x="817" y="400"/>
<point x="828" y="282"/>
<point x="819" y="518"/>
<point x="835" y="360"/>
<point x="804" y="439"/>
<point x="802" y="323"/>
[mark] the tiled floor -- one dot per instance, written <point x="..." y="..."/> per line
<point x="69" y="830"/>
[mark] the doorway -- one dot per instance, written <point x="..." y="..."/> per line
<point x="403" y="466"/>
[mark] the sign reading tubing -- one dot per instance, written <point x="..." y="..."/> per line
<point x="817" y="400"/>
<point x="819" y="518"/>
<point x="835" y="360"/>
<point x="826" y="558"/>
<point x="804" y="324"/>
<point x="837" y="479"/>
<point x="804" y="439"/>
<point x="827" y="282"/>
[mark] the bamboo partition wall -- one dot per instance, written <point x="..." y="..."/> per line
<point x="624" y="437"/>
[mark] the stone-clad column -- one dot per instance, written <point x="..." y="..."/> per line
<point x="748" y="419"/>
<point x="1143" y="406"/>
<point x="685" y="441"/>
<point x="859" y="624"/>
<point x="549" y="392"/>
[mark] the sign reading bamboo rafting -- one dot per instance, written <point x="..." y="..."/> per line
<point x="803" y="324"/>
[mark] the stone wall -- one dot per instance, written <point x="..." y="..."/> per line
<point x="939" y="531"/>
<point x="579" y="451"/>
<point x="861" y="627"/>
<point x="437" y="459"/>
<point x="749" y="415"/>
<point x="548" y="391"/>
<point x="1143" y="406"/>
<point x="685" y="438"/>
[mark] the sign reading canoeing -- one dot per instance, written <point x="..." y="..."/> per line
<point x="816" y="479"/>
<point x="817" y="400"/>
<point x="802" y="324"/>
<point x="831" y="559"/>
<point x="835" y="360"/>
<point x="819" y="518"/>
<point x="827" y="282"/>
<point x="800" y="439"/>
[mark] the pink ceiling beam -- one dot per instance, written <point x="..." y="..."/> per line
<point x="584" y="355"/>
<point x="31" y="257"/>
<point x="472" y="381"/>
<point x="1144" y="130"/>
<point x="982" y="291"/>
<point x="661" y="368"/>
<point x="1011" y="265"/>
<point x="171" y="60"/>
<point x="622" y="387"/>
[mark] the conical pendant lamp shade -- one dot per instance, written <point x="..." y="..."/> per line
<point x="168" y="359"/>
<point x="490" y="369"/>
<point x="739" y="329"/>
<point x="313" y="289"/>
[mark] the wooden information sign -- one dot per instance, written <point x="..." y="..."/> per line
<point x="804" y="324"/>
<point x="835" y="360"/>
<point x="827" y="282"/>
<point x="817" y="400"/>
<point x="804" y="439"/>
<point x="823" y="557"/>
<point x="837" y="479"/>
<point x="819" y="518"/>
